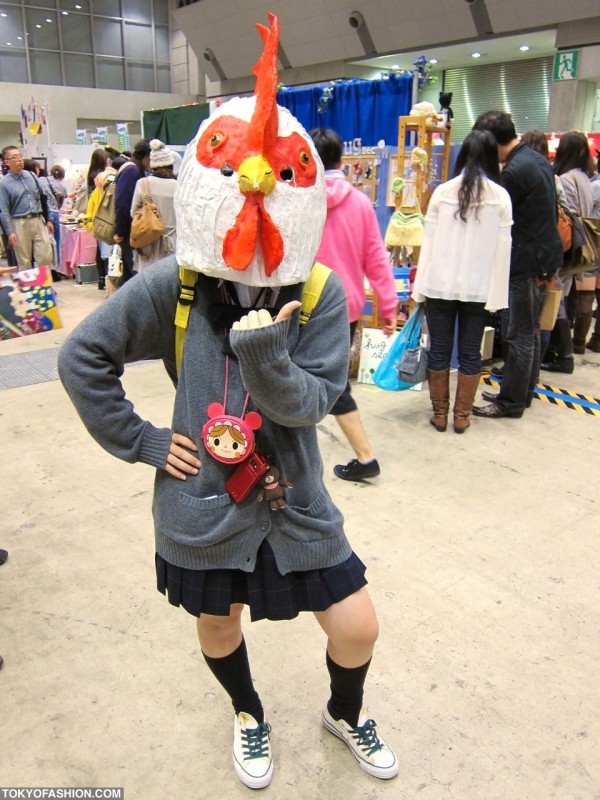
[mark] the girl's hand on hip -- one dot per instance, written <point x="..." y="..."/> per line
<point x="181" y="462"/>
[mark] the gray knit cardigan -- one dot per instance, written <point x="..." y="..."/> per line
<point x="293" y="374"/>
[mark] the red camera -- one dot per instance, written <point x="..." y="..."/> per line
<point x="241" y="482"/>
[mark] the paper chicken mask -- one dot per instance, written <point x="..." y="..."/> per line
<point x="250" y="199"/>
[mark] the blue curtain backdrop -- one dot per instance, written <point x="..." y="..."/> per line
<point x="358" y="108"/>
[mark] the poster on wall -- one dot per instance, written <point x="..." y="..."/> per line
<point x="27" y="303"/>
<point x="361" y="172"/>
<point x="101" y="136"/>
<point x="34" y="133"/>
<point x="123" y="136"/>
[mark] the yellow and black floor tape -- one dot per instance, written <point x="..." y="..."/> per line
<point x="565" y="398"/>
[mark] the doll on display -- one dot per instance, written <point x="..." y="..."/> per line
<point x="445" y="109"/>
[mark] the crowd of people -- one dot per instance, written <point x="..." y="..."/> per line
<point x="491" y="243"/>
<point x="499" y="212"/>
<point x="31" y="202"/>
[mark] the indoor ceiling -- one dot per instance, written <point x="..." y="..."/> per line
<point x="492" y="51"/>
<point x="316" y="32"/>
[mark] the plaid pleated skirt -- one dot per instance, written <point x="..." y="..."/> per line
<point x="267" y="593"/>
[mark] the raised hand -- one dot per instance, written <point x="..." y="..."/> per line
<point x="262" y="317"/>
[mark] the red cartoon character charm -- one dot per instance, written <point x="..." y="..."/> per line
<point x="227" y="438"/>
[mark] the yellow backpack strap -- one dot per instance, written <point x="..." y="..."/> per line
<point x="312" y="290"/>
<point x="188" y="278"/>
<point x="310" y="297"/>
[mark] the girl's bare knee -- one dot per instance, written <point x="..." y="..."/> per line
<point x="217" y="627"/>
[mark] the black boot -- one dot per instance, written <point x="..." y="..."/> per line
<point x="102" y="265"/>
<point x="563" y="346"/>
<point x="594" y="342"/>
<point x="583" y="320"/>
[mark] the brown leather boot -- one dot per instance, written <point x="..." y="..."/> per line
<point x="466" y="389"/>
<point x="439" y="391"/>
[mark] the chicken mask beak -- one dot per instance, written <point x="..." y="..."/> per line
<point x="255" y="174"/>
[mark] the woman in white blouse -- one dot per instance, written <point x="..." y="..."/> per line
<point x="463" y="272"/>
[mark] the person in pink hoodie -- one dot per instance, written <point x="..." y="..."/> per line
<point x="353" y="247"/>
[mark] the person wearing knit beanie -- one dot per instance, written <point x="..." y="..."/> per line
<point x="160" y="155"/>
<point x="160" y="187"/>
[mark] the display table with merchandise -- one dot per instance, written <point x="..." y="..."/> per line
<point x="77" y="247"/>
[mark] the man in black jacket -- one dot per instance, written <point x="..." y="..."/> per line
<point x="536" y="254"/>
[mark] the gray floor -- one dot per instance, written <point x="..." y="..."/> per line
<point x="483" y="559"/>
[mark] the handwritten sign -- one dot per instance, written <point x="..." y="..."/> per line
<point x="374" y="345"/>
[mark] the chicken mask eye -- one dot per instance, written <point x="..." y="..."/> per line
<point x="304" y="158"/>
<point x="215" y="140"/>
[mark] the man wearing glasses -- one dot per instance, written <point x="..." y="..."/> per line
<point x="27" y="231"/>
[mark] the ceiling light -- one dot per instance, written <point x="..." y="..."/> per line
<point x="65" y="13"/>
<point x="78" y="8"/>
<point x="395" y="66"/>
<point x="48" y="20"/>
<point x="38" y="26"/>
<point x="9" y="44"/>
<point x="3" y="14"/>
<point x="20" y="38"/>
<point x="524" y="48"/>
<point x="476" y="55"/>
<point x="433" y="61"/>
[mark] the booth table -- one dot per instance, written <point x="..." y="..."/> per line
<point x="77" y="247"/>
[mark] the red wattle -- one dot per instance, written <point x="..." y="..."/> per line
<point x="239" y="244"/>
<point x="271" y="242"/>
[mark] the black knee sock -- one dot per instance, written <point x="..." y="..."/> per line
<point x="233" y="673"/>
<point x="346" y="691"/>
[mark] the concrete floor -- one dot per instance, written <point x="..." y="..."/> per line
<point x="483" y="560"/>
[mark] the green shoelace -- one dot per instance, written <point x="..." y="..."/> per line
<point x="367" y="738"/>
<point x="255" y="741"/>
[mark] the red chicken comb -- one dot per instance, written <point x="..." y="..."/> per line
<point x="264" y="123"/>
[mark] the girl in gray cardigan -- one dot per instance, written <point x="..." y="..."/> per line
<point x="241" y="513"/>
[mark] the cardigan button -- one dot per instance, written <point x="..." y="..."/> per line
<point x="264" y="527"/>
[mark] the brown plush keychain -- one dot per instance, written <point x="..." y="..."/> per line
<point x="272" y="488"/>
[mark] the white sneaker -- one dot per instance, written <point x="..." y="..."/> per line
<point x="252" y="758"/>
<point x="367" y="747"/>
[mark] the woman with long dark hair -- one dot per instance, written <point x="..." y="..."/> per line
<point x="574" y="165"/>
<point x="99" y="163"/>
<point x="463" y="272"/>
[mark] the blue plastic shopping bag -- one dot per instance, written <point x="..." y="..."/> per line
<point x="386" y="375"/>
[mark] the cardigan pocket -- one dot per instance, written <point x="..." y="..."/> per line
<point x="200" y="521"/>
<point x="321" y="519"/>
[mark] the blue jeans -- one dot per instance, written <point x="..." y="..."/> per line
<point x="442" y="316"/>
<point x="54" y="218"/>
<point x="522" y="366"/>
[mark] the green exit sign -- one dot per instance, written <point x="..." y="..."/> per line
<point x="566" y="65"/>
